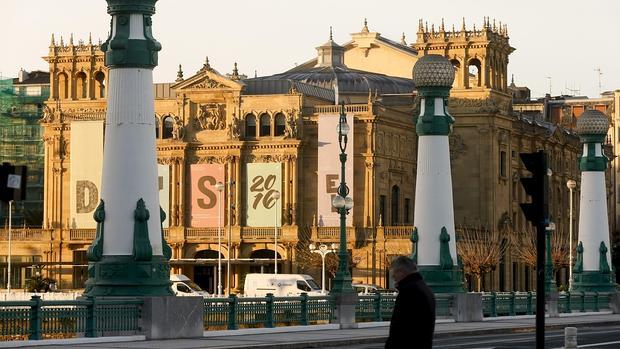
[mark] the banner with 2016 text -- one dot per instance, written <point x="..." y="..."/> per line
<point x="204" y="196"/>
<point x="262" y="182"/>
<point x="86" y="149"/>
<point x="329" y="169"/>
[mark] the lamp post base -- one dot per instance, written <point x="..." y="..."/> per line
<point x="442" y="280"/>
<point x="122" y="276"/>
<point x="593" y="281"/>
<point x="344" y="312"/>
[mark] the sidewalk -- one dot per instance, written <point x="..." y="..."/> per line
<point x="322" y="335"/>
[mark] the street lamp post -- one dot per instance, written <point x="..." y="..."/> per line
<point x="276" y="196"/>
<point x="571" y="184"/>
<point x="230" y="184"/>
<point x="220" y="187"/>
<point x="342" y="281"/>
<point x="323" y="250"/>
<point x="8" y="283"/>
<point x="549" y="279"/>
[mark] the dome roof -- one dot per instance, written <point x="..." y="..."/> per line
<point x="592" y="122"/>
<point x="433" y="71"/>
<point x="348" y="80"/>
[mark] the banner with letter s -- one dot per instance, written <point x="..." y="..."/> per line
<point x="204" y="197"/>
<point x="262" y="182"/>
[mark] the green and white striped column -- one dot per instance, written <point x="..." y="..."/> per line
<point x="434" y="243"/>
<point x="592" y="268"/>
<point x="129" y="256"/>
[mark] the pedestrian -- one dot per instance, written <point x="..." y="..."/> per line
<point x="413" y="318"/>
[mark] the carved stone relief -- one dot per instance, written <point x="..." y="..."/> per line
<point x="210" y="116"/>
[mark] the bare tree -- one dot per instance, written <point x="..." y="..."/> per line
<point x="480" y="250"/>
<point x="523" y="245"/>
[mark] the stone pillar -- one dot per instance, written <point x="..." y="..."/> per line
<point x="129" y="257"/>
<point x="592" y="272"/>
<point x="434" y="213"/>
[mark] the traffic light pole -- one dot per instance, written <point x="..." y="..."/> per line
<point x="537" y="212"/>
<point x="540" y="285"/>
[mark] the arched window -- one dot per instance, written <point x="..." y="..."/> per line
<point x="265" y="266"/>
<point x="280" y="124"/>
<point x="63" y="86"/>
<point x="265" y="125"/>
<point x="395" y="199"/>
<point x="168" y="125"/>
<point x="474" y="68"/>
<point x="457" y="65"/>
<point x="250" y="126"/>
<point x="99" y="85"/>
<point x="80" y="85"/>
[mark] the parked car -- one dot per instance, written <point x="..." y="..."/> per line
<point x="184" y="287"/>
<point x="258" y="285"/>
<point x="367" y="289"/>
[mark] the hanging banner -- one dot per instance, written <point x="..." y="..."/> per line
<point x="86" y="149"/>
<point x="204" y="197"/>
<point x="163" y="183"/>
<point x="262" y="182"/>
<point x="329" y="169"/>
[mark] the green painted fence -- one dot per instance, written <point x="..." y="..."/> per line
<point x="38" y="319"/>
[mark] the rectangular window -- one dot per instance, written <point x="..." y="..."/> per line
<point x="80" y="269"/>
<point x="407" y="209"/>
<point x="502" y="163"/>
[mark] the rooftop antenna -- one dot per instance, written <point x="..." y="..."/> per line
<point x="548" y="77"/>
<point x="574" y="91"/>
<point x="600" y="76"/>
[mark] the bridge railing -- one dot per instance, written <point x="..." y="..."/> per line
<point x="37" y="319"/>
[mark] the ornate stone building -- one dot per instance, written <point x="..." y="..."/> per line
<point x="277" y="133"/>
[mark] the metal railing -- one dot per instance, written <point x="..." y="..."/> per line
<point x="82" y="234"/>
<point x="524" y="303"/>
<point x="88" y="317"/>
<point x="22" y="234"/>
<point x="335" y="109"/>
<point x="259" y="232"/>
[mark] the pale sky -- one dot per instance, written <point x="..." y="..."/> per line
<point x="565" y="41"/>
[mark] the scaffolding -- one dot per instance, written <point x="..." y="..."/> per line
<point x="21" y="144"/>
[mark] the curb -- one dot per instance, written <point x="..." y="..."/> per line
<point x="382" y="339"/>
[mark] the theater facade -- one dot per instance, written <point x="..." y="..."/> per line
<point x="277" y="134"/>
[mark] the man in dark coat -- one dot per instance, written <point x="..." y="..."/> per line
<point x="413" y="319"/>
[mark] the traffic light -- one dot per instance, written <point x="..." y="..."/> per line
<point x="536" y="187"/>
<point x="12" y="182"/>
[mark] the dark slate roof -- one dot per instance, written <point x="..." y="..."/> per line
<point x="262" y="86"/>
<point x="34" y="77"/>
<point x="348" y="80"/>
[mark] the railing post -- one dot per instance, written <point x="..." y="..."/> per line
<point x="304" y="309"/>
<point x="90" y="317"/>
<point x="569" y="304"/>
<point x="232" y="312"/>
<point x="512" y="310"/>
<point x="583" y="302"/>
<point x="596" y="301"/>
<point x="493" y="304"/>
<point x="529" y="303"/>
<point x="35" y="318"/>
<point x="377" y="300"/>
<point x="269" y="310"/>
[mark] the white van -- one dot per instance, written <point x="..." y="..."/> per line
<point x="280" y="285"/>
<point x="183" y="286"/>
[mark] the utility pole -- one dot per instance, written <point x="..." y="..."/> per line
<point x="600" y="78"/>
